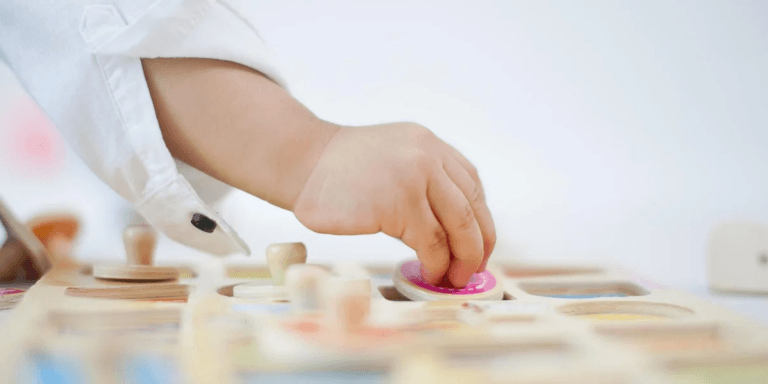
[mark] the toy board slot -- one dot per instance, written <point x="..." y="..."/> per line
<point x="229" y="291"/>
<point x="624" y="311"/>
<point x="526" y="271"/>
<point x="583" y="290"/>
<point x="185" y="272"/>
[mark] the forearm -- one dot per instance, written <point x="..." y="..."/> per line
<point x="236" y="125"/>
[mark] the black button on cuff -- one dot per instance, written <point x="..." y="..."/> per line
<point x="203" y="223"/>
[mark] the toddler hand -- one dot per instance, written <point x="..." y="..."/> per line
<point x="402" y="180"/>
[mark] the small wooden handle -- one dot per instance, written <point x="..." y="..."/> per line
<point x="281" y="255"/>
<point x="140" y="242"/>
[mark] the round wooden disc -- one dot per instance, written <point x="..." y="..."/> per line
<point x="482" y="286"/>
<point x="134" y="272"/>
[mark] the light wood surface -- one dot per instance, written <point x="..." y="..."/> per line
<point x="209" y="335"/>
<point x="135" y="272"/>
<point x="140" y="242"/>
<point x="142" y="291"/>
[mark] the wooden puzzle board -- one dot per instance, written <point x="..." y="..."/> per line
<point x="556" y="324"/>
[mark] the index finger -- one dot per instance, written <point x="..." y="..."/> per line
<point x="458" y="219"/>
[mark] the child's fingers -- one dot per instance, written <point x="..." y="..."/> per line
<point x="426" y="236"/>
<point x="458" y="219"/>
<point x="489" y="229"/>
<point x="473" y="191"/>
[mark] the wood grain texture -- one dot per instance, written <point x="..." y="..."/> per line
<point x="134" y="272"/>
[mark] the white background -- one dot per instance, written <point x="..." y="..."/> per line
<point x="605" y="131"/>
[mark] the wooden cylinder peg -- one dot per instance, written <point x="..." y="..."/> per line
<point x="304" y="284"/>
<point x="140" y="242"/>
<point x="57" y="232"/>
<point x="281" y="255"/>
<point x="349" y="302"/>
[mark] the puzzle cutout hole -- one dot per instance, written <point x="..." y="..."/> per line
<point x="583" y="290"/>
<point x="518" y="272"/>
<point x="624" y="311"/>
<point x="185" y="272"/>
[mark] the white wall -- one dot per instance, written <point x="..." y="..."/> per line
<point x="608" y="131"/>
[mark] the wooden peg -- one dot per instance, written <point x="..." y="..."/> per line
<point x="281" y="255"/>
<point x="56" y="232"/>
<point x="22" y="257"/>
<point x="349" y="302"/>
<point x="140" y="242"/>
<point x="304" y="285"/>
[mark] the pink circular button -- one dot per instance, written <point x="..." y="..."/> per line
<point x="479" y="283"/>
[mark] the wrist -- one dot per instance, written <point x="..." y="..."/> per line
<point x="318" y="135"/>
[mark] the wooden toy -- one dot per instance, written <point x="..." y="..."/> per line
<point x="356" y="323"/>
<point x="482" y="286"/>
<point x="22" y="257"/>
<point x="280" y="256"/>
<point x="305" y="284"/>
<point x="737" y="259"/>
<point x="140" y="242"/>
<point x="348" y="297"/>
<point x="57" y="232"/>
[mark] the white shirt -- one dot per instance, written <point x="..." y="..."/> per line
<point x="80" y="61"/>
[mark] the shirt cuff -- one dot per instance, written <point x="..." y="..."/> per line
<point x="177" y="210"/>
<point x="171" y="28"/>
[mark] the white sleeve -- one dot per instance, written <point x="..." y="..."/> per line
<point x="81" y="64"/>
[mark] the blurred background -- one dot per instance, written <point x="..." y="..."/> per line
<point x="606" y="132"/>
